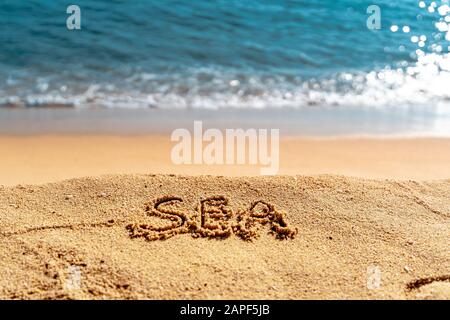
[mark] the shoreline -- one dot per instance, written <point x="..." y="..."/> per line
<point x="49" y="145"/>
<point x="308" y="122"/>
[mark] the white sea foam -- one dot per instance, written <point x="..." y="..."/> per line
<point x="425" y="82"/>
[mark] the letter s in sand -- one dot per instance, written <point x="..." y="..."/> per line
<point x="165" y="208"/>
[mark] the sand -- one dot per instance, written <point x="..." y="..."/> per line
<point x="32" y="159"/>
<point x="347" y="218"/>
<point x="312" y="237"/>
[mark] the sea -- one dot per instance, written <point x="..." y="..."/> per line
<point x="215" y="54"/>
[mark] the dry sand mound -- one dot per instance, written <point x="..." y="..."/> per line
<point x="177" y="237"/>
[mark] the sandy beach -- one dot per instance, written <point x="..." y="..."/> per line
<point x="32" y="159"/>
<point x="376" y="226"/>
<point x="98" y="238"/>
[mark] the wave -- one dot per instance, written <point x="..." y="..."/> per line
<point x="233" y="64"/>
<point x="424" y="82"/>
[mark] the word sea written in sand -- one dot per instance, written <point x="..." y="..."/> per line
<point x="212" y="218"/>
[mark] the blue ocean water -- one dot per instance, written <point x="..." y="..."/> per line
<point x="224" y="53"/>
